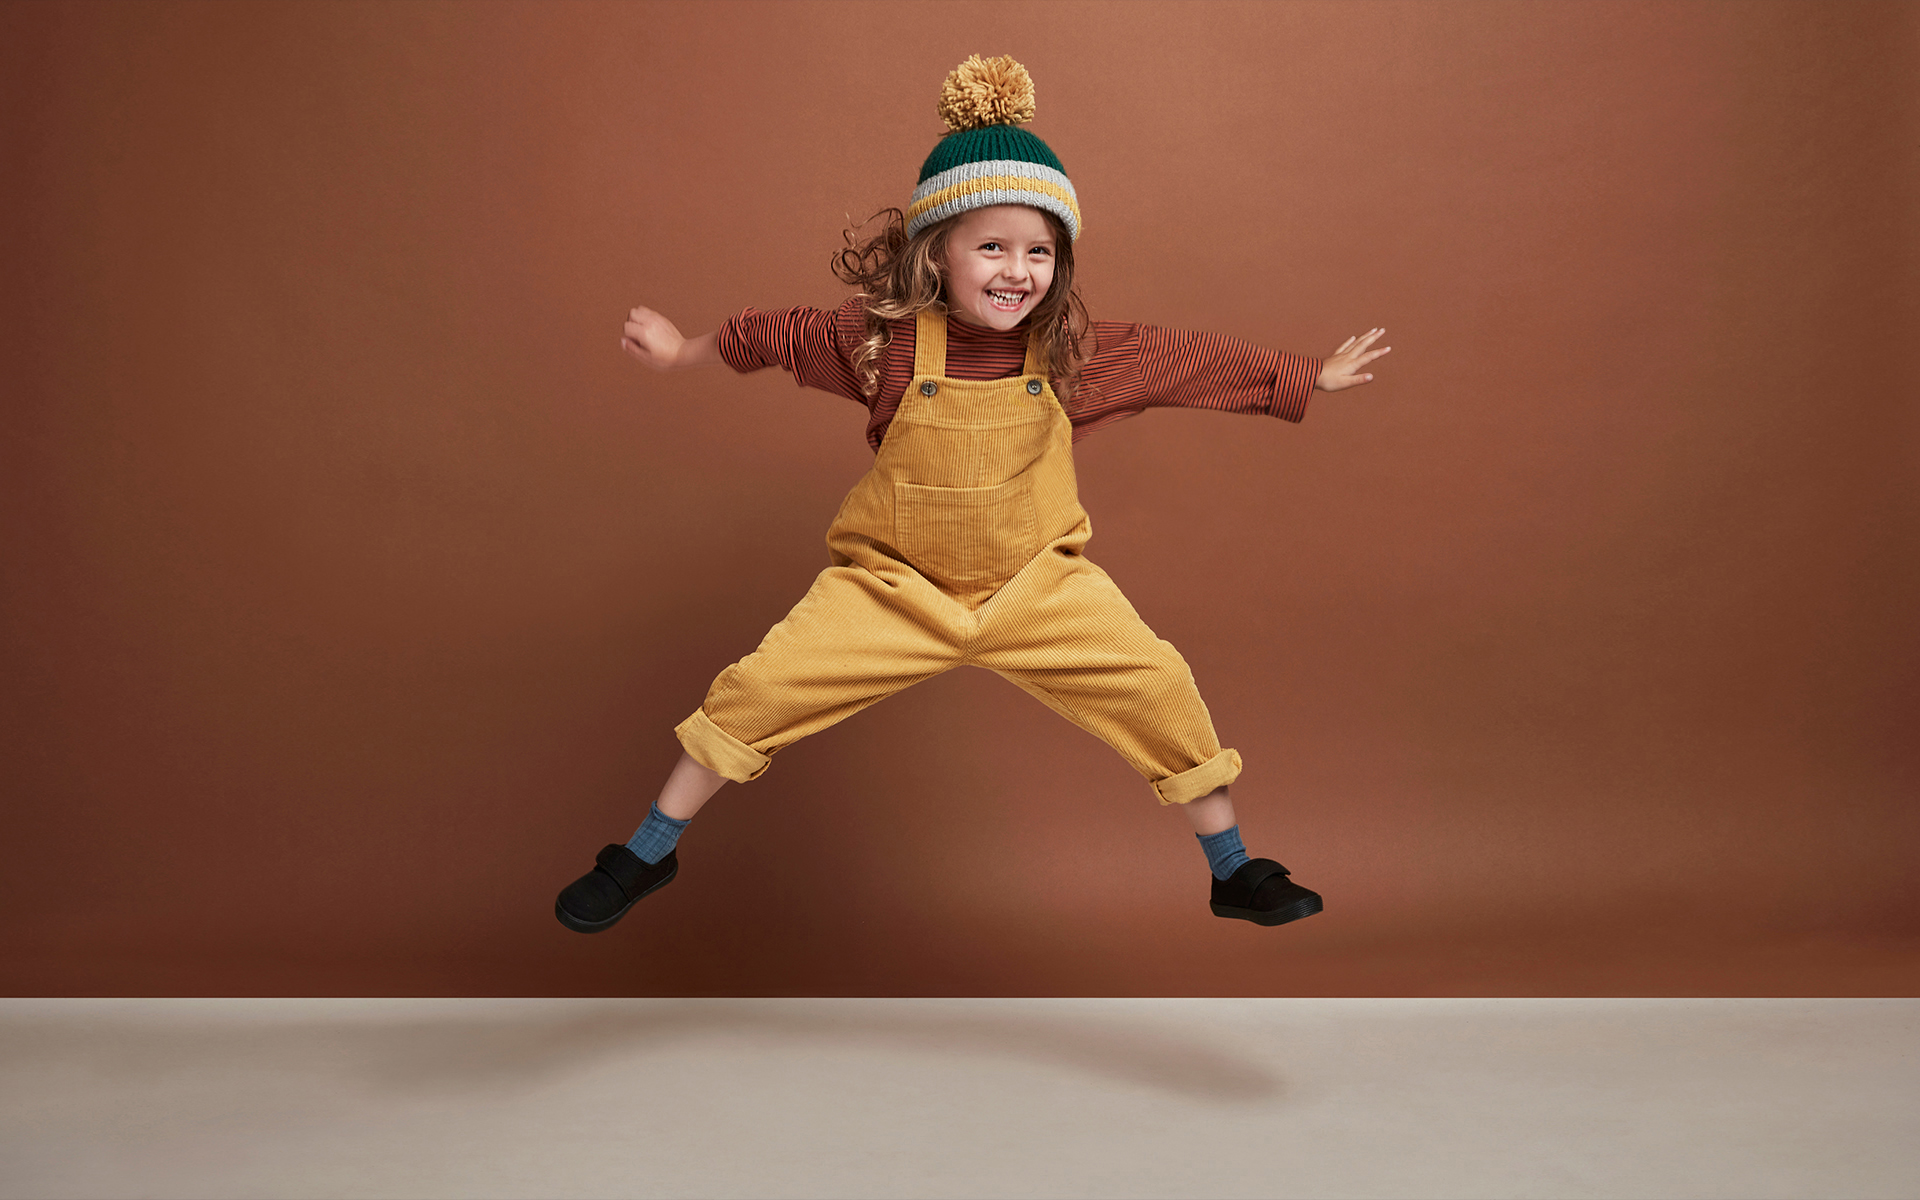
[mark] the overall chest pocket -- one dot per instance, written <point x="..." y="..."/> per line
<point x="966" y="535"/>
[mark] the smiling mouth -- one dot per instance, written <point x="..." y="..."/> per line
<point x="1006" y="301"/>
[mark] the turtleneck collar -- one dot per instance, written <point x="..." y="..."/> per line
<point x="980" y="335"/>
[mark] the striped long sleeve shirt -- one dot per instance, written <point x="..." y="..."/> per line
<point x="1133" y="367"/>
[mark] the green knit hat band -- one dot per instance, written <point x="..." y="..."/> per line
<point x="995" y="143"/>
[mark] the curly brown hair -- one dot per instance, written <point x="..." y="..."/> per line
<point x="898" y="276"/>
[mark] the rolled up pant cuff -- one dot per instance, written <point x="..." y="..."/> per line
<point x="1195" y="782"/>
<point x="719" y="751"/>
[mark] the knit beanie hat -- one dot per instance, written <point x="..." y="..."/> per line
<point x="987" y="159"/>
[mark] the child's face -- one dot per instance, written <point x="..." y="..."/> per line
<point x="999" y="263"/>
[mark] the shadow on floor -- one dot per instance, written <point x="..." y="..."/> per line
<point x="523" y="1045"/>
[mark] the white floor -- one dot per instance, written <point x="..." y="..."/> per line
<point x="974" y="1098"/>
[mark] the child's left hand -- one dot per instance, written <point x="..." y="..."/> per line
<point x="1342" y="368"/>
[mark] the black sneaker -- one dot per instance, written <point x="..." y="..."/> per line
<point x="1261" y="892"/>
<point x="603" y="895"/>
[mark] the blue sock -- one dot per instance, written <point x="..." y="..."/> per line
<point x="655" y="838"/>
<point x="1225" y="854"/>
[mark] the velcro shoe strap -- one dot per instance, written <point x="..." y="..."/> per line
<point x="625" y="867"/>
<point x="1256" y="871"/>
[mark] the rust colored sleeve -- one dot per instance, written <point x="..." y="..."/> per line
<point x="808" y="342"/>
<point x="1137" y="367"/>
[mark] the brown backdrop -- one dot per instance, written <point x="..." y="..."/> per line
<point x="354" y="579"/>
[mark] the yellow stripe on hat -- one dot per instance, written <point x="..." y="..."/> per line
<point x="994" y="183"/>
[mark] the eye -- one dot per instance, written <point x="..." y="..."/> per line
<point x="990" y="245"/>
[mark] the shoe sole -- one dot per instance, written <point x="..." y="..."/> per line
<point x="1306" y="906"/>
<point x="579" y="926"/>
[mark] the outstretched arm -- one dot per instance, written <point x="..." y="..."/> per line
<point x="804" y="341"/>
<point x="1342" y="368"/>
<point x="655" y="341"/>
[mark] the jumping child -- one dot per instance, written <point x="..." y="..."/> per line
<point x="964" y="543"/>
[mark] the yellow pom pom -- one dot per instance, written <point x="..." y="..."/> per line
<point x="986" y="91"/>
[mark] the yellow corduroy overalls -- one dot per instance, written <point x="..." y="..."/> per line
<point x="963" y="546"/>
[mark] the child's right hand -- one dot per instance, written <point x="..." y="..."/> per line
<point x="652" y="339"/>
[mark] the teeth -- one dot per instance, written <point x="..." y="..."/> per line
<point x="1008" y="297"/>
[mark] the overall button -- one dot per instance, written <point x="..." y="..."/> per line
<point x="1033" y="386"/>
<point x="929" y="388"/>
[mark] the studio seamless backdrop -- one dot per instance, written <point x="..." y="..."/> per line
<point x="354" y="579"/>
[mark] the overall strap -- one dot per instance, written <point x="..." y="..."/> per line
<point x="1036" y="363"/>
<point x="930" y="342"/>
